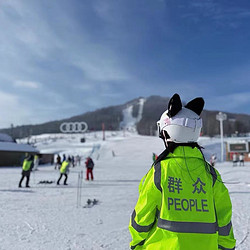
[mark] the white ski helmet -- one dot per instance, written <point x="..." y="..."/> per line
<point x="181" y="124"/>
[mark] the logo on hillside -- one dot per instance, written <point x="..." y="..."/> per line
<point x="73" y="127"/>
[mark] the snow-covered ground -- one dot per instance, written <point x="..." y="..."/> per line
<point x="46" y="216"/>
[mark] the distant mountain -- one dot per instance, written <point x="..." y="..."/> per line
<point x="140" y="114"/>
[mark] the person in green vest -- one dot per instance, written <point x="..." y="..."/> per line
<point x="26" y="169"/>
<point x="183" y="203"/>
<point x="64" y="170"/>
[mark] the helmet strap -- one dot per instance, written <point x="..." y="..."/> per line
<point x="165" y="136"/>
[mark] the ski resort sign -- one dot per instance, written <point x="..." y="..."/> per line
<point x="73" y="127"/>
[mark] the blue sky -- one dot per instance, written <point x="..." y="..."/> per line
<point x="62" y="58"/>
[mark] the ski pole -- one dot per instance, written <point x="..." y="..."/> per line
<point x="77" y="195"/>
<point x="81" y="175"/>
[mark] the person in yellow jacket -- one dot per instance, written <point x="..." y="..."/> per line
<point x="183" y="203"/>
<point x="64" y="170"/>
<point x="26" y="169"/>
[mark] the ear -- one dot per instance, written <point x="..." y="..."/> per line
<point x="196" y="105"/>
<point x="174" y="105"/>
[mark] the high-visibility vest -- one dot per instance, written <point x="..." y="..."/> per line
<point x="182" y="207"/>
<point x="64" y="167"/>
<point x="27" y="164"/>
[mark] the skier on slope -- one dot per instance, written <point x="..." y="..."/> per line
<point x="183" y="203"/>
<point x="64" y="170"/>
<point x="89" y="168"/>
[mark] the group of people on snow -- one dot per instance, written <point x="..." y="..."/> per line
<point x="238" y="158"/>
<point x="69" y="162"/>
<point x="63" y="164"/>
<point x="75" y="160"/>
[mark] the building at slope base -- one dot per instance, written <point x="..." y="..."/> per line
<point x="238" y="147"/>
<point x="12" y="153"/>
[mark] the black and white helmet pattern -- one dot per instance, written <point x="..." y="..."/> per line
<point x="181" y="124"/>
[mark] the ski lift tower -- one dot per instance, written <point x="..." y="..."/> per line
<point x="221" y="117"/>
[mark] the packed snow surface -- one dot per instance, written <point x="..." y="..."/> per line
<point x="47" y="216"/>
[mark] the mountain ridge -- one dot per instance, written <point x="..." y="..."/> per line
<point x="113" y="117"/>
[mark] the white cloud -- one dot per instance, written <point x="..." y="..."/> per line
<point x="98" y="62"/>
<point x="18" y="110"/>
<point x="237" y="99"/>
<point x="221" y="14"/>
<point x="102" y="70"/>
<point x="112" y="95"/>
<point x="12" y="111"/>
<point x="229" y="103"/>
<point x="37" y="37"/>
<point x="27" y="84"/>
<point x="32" y="34"/>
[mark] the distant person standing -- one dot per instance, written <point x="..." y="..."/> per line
<point x="64" y="157"/>
<point x="234" y="160"/>
<point x="64" y="170"/>
<point x="58" y="162"/>
<point x="26" y="169"/>
<point x="241" y="159"/>
<point x="154" y="157"/>
<point x="36" y="162"/>
<point x="78" y="160"/>
<point x="89" y="168"/>
<point x="213" y="159"/>
<point x="73" y="161"/>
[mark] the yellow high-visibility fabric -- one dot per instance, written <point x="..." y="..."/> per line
<point x="27" y="165"/>
<point x="64" y="167"/>
<point x="179" y="208"/>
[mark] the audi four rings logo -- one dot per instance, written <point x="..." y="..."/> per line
<point x="73" y="127"/>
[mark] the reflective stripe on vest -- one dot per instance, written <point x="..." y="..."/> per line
<point x="26" y="165"/>
<point x="139" y="244"/>
<point x="157" y="176"/>
<point x="139" y="228"/>
<point x="187" y="227"/>
<point x="224" y="231"/>
<point x="223" y="248"/>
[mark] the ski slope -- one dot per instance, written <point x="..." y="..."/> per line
<point x="46" y="216"/>
<point x="129" y="122"/>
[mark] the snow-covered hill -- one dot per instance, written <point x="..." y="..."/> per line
<point x="46" y="216"/>
<point x="129" y="122"/>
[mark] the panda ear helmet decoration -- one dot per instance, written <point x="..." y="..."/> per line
<point x="181" y="124"/>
